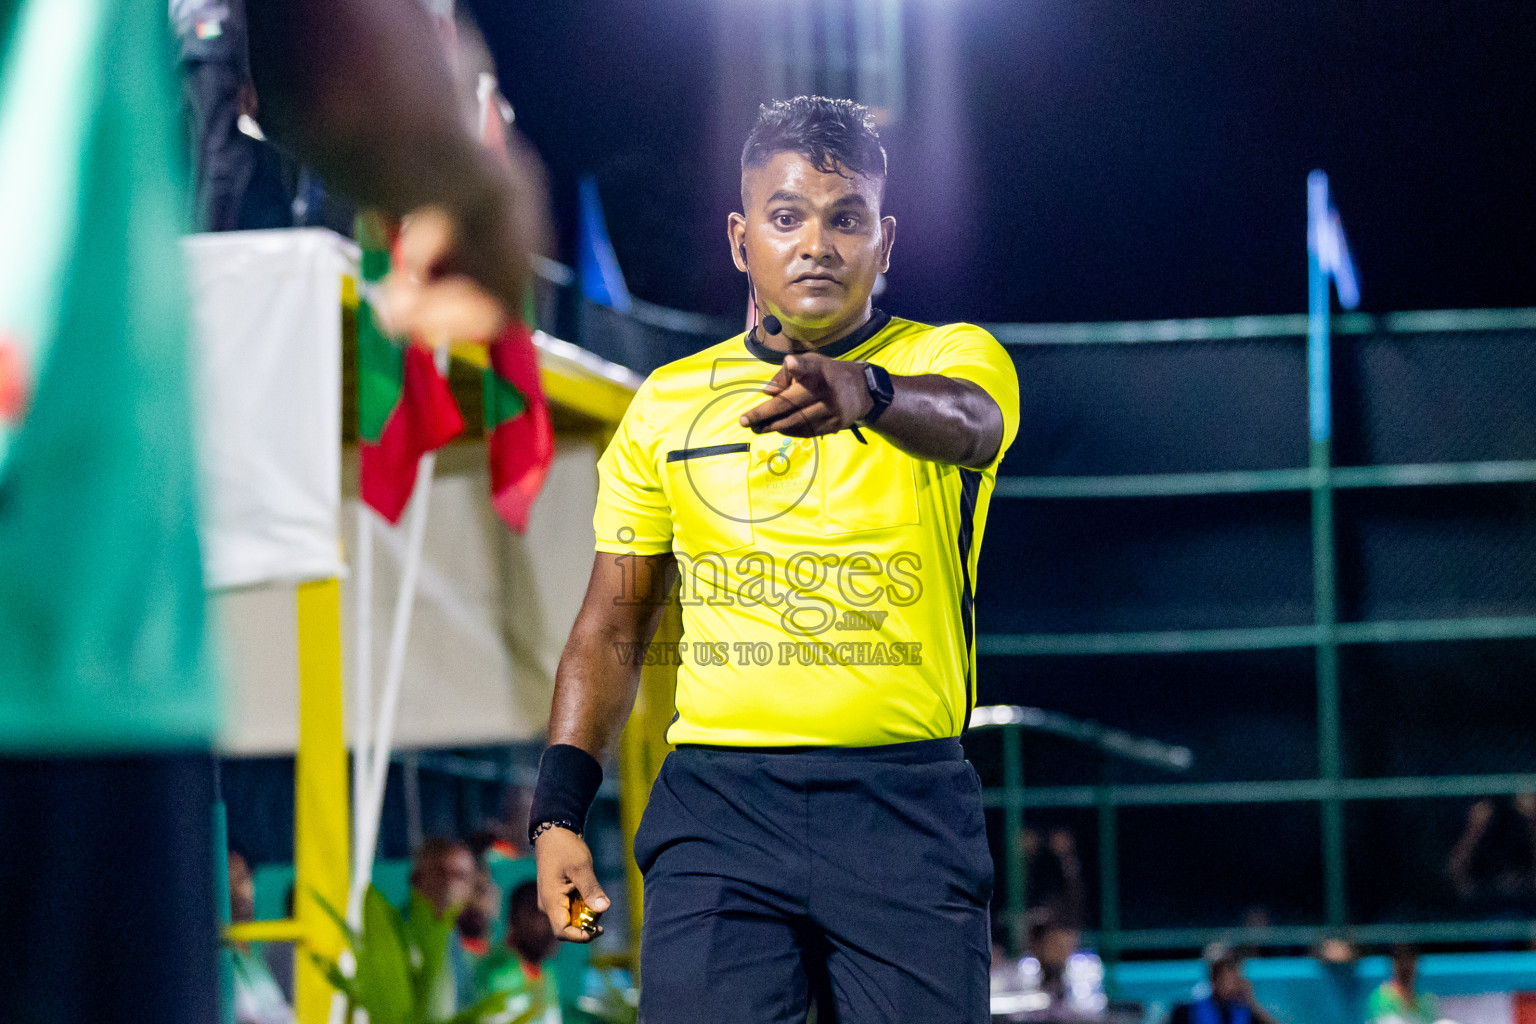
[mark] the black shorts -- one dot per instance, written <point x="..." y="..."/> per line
<point x="858" y="877"/>
<point x="106" y="890"/>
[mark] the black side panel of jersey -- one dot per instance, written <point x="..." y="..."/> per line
<point x="970" y="485"/>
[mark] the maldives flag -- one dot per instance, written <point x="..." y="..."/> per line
<point x="519" y="437"/>
<point x="404" y="407"/>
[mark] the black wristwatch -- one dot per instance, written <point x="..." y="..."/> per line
<point x="880" y="391"/>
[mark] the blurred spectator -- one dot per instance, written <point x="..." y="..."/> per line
<point x="267" y="199"/>
<point x="443" y="873"/>
<point x="517" y="969"/>
<point x="1054" y="875"/>
<point x="1052" y="941"/>
<point x="242" y="182"/>
<point x="477" y="921"/>
<point x="1493" y="864"/>
<point x="215" y="69"/>
<point x="258" y="999"/>
<point x="1230" y="1000"/>
<point x="1336" y="951"/>
<point x="1055" y="982"/>
<point x="1397" y="1000"/>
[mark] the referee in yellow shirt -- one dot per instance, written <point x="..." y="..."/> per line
<point x="817" y="487"/>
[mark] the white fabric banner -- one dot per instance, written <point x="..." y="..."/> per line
<point x="492" y="614"/>
<point x="267" y="311"/>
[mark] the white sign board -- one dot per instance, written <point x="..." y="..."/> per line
<point x="267" y="311"/>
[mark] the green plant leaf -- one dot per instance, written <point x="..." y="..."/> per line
<point x="354" y="940"/>
<point x="614" y="1005"/>
<point x="431" y="933"/>
<point x="343" y="984"/>
<point x="492" y="1005"/>
<point x="383" y="963"/>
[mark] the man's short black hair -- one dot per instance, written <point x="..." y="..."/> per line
<point x="435" y="847"/>
<point x="524" y="898"/>
<point x="1221" y="957"/>
<point x="836" y="136"/>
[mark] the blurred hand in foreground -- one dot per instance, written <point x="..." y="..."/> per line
<point x="461" y="278"/>
<point x="425" y="298"/>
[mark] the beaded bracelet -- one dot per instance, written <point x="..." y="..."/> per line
<point x="545" y="826"/>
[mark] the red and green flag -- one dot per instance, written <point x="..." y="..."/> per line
<point x="404" y="407"/>
<point x="518" y="435"/>
<point x="406" y="410"/>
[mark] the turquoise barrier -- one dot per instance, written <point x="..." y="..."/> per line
<point x="1301" y="990"/>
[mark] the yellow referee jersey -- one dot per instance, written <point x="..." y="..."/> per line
<point x="826" y="584"/>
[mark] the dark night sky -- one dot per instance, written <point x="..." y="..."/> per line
<point x="1093" y="159"/>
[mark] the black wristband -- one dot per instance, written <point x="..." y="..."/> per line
<point x="568" y="782"/>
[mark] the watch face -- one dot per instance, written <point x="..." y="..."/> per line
<point x="878" y="383"/>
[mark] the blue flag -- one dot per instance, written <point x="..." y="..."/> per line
<point x="1325" y="237"/>
<point x="597" y="267"/>
<point x="1327" y="260"/>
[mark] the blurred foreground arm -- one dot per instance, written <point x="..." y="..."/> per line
<point x="595" y="689"/>
<point x="361" y="90"/>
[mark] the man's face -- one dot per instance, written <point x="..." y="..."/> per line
<point x="446" y="879"/>
<point x="1227" y="982"/>
<point x="484" y="906"/>
<point x="814" y="242"/>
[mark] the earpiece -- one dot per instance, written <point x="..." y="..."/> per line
<point x="770" y="322"/>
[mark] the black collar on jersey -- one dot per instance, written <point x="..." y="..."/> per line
<point x="878" y="318"/>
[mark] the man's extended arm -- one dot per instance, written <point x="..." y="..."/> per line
<point x="931" y="416"/>
<point x="594" y="692"/>
<point x="361" y="90"/>
<point x="943" y="419"/>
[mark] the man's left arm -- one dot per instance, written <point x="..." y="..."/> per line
<point x="945" y="419"/>
<point x="934" y="416"/>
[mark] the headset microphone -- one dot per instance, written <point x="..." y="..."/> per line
<point x="770" y="322"/>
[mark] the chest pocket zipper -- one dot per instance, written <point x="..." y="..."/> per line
<point x="683" y="454"/>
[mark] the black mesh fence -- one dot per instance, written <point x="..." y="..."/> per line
<point x="1431" y="723"/>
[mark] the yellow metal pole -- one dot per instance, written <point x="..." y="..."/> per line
<point x="642" y="748"/>
<point x="320" y="857"/>
<point x="285" y="930"/>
